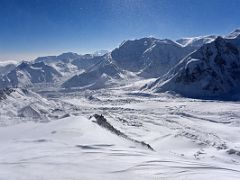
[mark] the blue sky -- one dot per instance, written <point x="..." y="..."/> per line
<point x="31" y="28"/>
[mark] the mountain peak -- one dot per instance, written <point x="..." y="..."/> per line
<point x="234" y="34"/>
<point x="68" y="55"/>
<point x="146" y="41"/>
<point x="100" y="52"/>
<point x="219" y="39"/>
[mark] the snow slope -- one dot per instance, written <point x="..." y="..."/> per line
<point x="192" y="139"/>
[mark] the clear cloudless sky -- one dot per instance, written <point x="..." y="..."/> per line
<point x="31" y="28"/>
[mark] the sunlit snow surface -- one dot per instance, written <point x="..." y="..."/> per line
<point x="192" y="139"/>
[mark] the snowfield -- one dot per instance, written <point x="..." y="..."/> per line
<point x="192" y="139"/>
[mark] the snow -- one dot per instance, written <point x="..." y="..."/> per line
<point x="190" y="139"/>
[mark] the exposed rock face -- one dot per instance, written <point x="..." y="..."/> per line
<point x="102" y="121"/>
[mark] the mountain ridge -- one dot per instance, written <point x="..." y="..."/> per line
<point x="211" y="71"/>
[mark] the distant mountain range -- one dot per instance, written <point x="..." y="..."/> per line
<point x="194" y="67"/>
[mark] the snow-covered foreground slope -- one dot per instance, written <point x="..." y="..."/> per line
<point x="71" y="148"/>
<point x="192" y="139"/>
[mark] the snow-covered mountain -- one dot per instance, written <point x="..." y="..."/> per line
<point x="213" y="70"/>
<point x="97" y="76"/>
<point x="70" y="63"/>
<point x="233" y="34"/>
<point x="128" y="54"/>
<point x="27" y="74"/>
<point x="160" y="57"/>
<point x="62" y="62"/>
<point x="146" y="58"/>
<point x="48" y="69"/>
<point x="149" y="57"/>
<point x="196" y="42"/>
